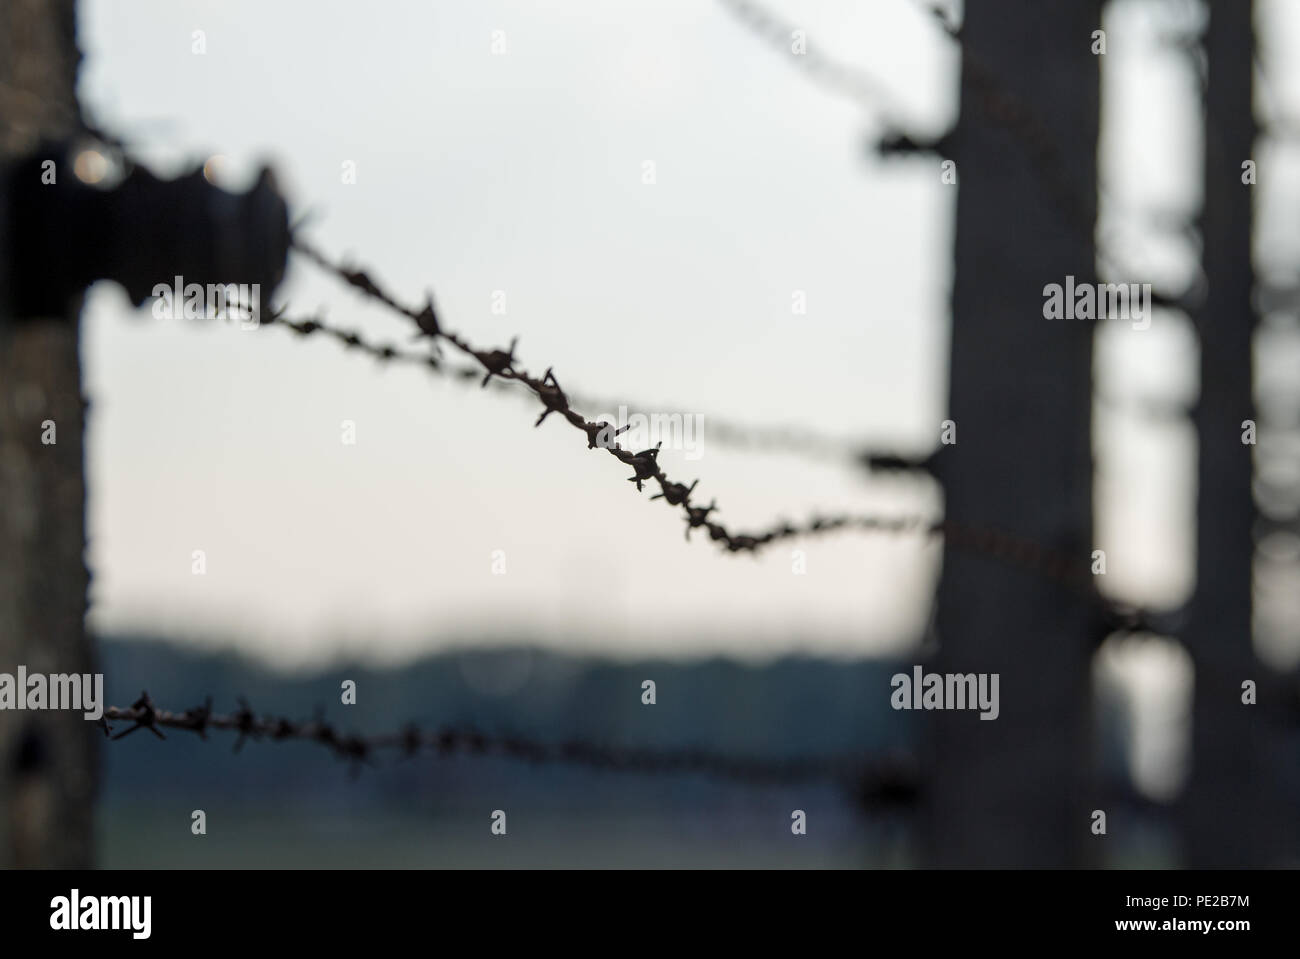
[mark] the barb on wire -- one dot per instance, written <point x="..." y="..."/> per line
<point x="893" y="778"/>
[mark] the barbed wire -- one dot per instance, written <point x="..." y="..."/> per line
<point x="793" y="440"/>
<point x="1066" y="568"/>
<point x="501" y="364"/>
<point x="1062" y="567"/>
<point x="891" y="778"/>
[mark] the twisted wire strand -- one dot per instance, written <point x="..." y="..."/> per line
<point x="889" y="778"/>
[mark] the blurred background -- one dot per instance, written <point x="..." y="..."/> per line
<point x="696" y="207"/>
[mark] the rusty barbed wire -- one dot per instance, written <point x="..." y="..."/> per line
<point x="890" y="778"/>
<point x="501" y="364"/>
<point x="795" y="440"/>
<point x="1054" y="564"/>
<point x="1113" y="616"/>
<point x="790" y="440"/>
<point x="1068" y="569"/>
<point x="1064" y="568"/>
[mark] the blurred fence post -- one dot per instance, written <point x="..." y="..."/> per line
<point x="48" y="759"/>
<point x="1014" y="791"/>
<point x="1231" y="809"/>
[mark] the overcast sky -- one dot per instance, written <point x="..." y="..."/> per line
<point x="523" y="172"/>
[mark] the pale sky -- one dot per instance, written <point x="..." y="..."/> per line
<point x="523" y="173"/>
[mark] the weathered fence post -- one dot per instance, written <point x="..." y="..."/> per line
<point x="48" y="759"/>
<point x="1013" y="791"/>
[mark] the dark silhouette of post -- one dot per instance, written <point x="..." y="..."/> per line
<point x="1014" y="791"/>
<point x="48" y="759"/>
<point x="1230" y="812"/>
